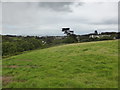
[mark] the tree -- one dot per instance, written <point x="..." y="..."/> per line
<point x="96" y="32"/>
<point x="67" y="31"/>
<point x="71" y="37"/>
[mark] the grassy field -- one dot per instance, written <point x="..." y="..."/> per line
<point x="81" y="65"/>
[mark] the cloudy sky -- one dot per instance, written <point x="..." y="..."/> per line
<point x="47" y="18"/>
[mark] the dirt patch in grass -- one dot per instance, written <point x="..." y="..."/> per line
<point x="20" y="66"/>
<point x="0" y="78"/>
<point x="6" y="79"/>
<point x="10" y="66"/>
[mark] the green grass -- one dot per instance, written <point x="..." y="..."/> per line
<point x="81" y="65"/>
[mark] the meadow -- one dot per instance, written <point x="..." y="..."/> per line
<point x="78" y="65"/>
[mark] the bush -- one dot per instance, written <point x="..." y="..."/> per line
<point x="13" y="45"/>
<point x="70" y="39"/>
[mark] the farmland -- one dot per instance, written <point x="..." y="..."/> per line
<point x="78" y="65"/>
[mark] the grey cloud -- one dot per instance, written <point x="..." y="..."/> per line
<point x="44" y="18"/>
<point x="107" y="22"/>
<point x="80" y="3"/>
<point x="111" y="21"/>
<point x="58" y="6"/>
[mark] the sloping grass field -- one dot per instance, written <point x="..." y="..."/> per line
<point x="80" y="65"/>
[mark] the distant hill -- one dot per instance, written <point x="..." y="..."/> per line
<point x="78" y="65"/>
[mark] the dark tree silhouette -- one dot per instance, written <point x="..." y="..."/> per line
<point x="67" y="31"/>
<point x="96" y="32"/>
<point x="71" y="36"/>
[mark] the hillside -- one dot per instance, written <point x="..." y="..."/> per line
<point x="81" y="65"/>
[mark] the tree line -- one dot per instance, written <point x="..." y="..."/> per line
<point x="12" y="45"/>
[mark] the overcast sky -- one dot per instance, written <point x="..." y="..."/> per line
<point x="47" y="18"/>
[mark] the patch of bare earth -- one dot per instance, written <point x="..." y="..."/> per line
<point x="6" y="79"/>
<point x="19" y="66"/>
<point x="10" y="66"/>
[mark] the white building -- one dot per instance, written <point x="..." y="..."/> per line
<point x="98" y="36"/>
